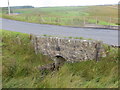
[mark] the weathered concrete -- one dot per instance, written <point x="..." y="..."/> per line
<point x="70" y="49"/>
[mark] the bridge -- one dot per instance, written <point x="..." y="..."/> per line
<point x="72" y="50"/>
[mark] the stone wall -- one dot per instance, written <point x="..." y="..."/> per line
<point x="70" y="49"/>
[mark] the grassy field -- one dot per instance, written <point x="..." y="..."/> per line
<point x="68" y="16"/>
<point x="19" y="67"/>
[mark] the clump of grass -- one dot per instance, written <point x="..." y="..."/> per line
<point x="79" y="38"/>
<point x="44" y="35"/>
<point x="48" y="35"/>
<point x="70" y="37"/>
<point x="89" y="39"/>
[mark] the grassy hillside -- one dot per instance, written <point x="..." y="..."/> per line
<point x="19" y="66"/>
<point x="70" y="16"/>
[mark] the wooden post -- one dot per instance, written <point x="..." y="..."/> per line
<point x="84" y="20"/>
<point x="98" y="46"/>
<point x="72" y="21"/>
<point x="50" y="19"/>
<point x="36" y="45"/>
<point x="19" y="40"/>
<point x="110" y="21"/>
<point x="42" y="19"/>
<point x="96" y="20"/>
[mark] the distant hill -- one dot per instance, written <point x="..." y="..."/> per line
<point x="19" y="7"/>
<point x="5" y="9"/>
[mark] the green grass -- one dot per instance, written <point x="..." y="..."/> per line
<point x="0" y="61"/>
<point x="67" y="16"/>
<point x="70" y="37"/>
<point x="19" y="59"/>
<point x="19" y="63"/>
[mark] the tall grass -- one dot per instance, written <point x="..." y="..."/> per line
<point x="19" y="59"/>
<point x="19" y="66"/>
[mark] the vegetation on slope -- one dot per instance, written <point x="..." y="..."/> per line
<point x="70" y="16"/>
<point x="19" y="66"/>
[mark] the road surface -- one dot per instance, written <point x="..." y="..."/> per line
<point x="107" y="36"/>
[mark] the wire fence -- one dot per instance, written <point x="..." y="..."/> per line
<point x="80" y="21"/>
<point x="77" y="21"/>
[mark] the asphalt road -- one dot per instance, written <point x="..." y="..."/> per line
<point x="107" y="36"/>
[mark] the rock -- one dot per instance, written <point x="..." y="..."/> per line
<point x="49" y="67"/>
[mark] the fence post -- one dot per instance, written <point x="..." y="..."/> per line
<point x="84" y="20"/>
<point x="110" y="21"/>
<point x="19" y="40"/>
<point x="96" y="20"/>
<point x="98" y="46"/>
<point x="42" y="19"/>
<point x="36" y="45"/>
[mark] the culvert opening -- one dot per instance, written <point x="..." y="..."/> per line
<point x="59" y="59"/>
